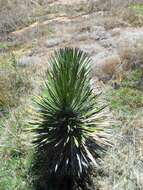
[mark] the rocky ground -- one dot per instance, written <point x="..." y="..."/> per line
<point x="77" y="24"/>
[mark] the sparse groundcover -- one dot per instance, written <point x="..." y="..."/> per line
<point x="68" y="126"/>
<point x="136" y="14"/>
<point x="8" y="47"/>
<point x="124" y="16"/>
<point x="14" y="14"/>
<point x="134" y="80"/>
<point x="129" y="96"/>
<point x="138" y="7"/>
<point x="123" y="168"/>
<point x="3" y="47"/>
<point x="127" y="99"/>
<point x="14" y="82"/>
<point x="15" y="151"/>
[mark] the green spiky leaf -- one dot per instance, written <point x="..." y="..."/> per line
<point x="68" y="117"/>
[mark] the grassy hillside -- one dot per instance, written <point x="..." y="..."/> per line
<point x="24" y="50"/>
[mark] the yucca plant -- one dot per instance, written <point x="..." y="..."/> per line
<point x="68" y="131"/>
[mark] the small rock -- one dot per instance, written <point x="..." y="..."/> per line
<point x="116" y="32"/>
<point x="28" y="60"/>
<point x="129" y="38"/>
<point x="99" y="33"/>
<point x="53" y="42"/>
<point x="107" y="43"/>
<point x="81" y="36"/>
<point x="91" y="48"/>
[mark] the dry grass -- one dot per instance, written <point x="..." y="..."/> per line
<point x="122" y="18"/>
<point x="131" y="58"/>
<point x="134" y="55"/>
<point x="106" y="67"/>
<point x="15" y="150"/>
<point x="15" y="14"/>
<point x="122" y="13"/>
<point x="15" y="82"/>
<point x="124" y="163"/>
<point x="131" y="17"/>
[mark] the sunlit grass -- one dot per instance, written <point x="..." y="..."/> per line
<point x="15" y="152"/>
<point x="138" y="7"/>
<point x="128" y="98"/>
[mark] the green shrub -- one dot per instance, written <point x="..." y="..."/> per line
<point x="69" y="125"/>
